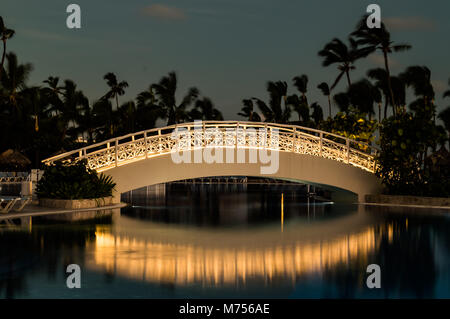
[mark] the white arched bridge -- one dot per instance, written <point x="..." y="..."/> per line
<point x="303" y="154"/>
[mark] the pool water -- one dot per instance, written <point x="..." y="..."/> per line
<point x="213" y="241"/>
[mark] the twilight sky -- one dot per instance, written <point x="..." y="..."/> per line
<point x="229" y="49"/>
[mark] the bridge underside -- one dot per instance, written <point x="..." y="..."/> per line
<point x="292" y="166"/>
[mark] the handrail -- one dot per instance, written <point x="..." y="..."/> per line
<point x="299" y="134"/>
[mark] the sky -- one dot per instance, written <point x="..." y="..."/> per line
<point x="228" y="49"/>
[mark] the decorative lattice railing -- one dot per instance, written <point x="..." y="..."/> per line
<point x="250" y="135"/>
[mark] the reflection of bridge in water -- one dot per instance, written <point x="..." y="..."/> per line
<point x="306" y="155"/>
<point x="183" y="260"/>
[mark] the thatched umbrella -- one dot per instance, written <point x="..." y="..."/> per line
<point x="12" y="159"/>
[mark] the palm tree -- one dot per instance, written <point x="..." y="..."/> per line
<point x="14" y="80"/>
<point x="5" y="34"/>
<point x="380" y="77"/>
<point x="362" y="96"/>
<point x="337" y="52"/>
<point x="165" y="91"/>
<point x="419" y="78"/>
<point x="327" y="92"/>
<point x="73" y="103"/>
<point x="116" y="88"/>
<point x="204" y="110"/>
<point x="317" y="114"/>
<point x="53" y="93"/>
<point x="248" y="111"/>
<point x="301" y="83"/>
<point x="342" y="101"/>
<point x="274" y="111"/>
<point x="147" y="110"/>
<point x="379" y="39"/>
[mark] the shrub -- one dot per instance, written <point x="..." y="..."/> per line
<point x="73" y="181"/>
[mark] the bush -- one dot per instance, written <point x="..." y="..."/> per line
<point x="73" y="181"/>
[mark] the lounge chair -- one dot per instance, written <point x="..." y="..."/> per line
<point x="9" y="205"/>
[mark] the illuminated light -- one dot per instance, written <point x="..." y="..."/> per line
<point x="293" y="139"/>
<point x="186" y="264"/>
<point x="282" y="212"/>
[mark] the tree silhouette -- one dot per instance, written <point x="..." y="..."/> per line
<point x="5" y="35"/>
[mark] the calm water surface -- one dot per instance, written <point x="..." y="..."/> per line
<point x="178" y="241"/>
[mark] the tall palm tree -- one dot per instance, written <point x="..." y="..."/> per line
<point x="342" y="101"/>
<point x="337" y="52"/>
<point x="380" y="77"/>
<point x="5" y="35"/>
<point x="53" y="92"/>
<point x="317" y="114"/>
<point x="73" y="103"/>
<point x="362" y="96"/>
<point x="147" y="109"/>
<point x="419" y="78"/>
<point x="205" y="110"/>
<point x="165" y="92"/>
<point x="327" y="92"/>
<point x="14" y="80"/>
<point x="248" y="111"/>
<point x="116" y="88"/>
<point x="379" y="39"/>
<point x="274" y="111"/>
<point x="301" y="83"/>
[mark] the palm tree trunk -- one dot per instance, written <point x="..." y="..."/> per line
<point x="348" y="78"/>
<point x="3" y="58"/>
<point x="386" y="64"/>
<point x="379" y="112"/>
<point x="385" y="105"/>
<point x="329" y="105"/>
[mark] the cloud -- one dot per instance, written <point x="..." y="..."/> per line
<point x="162" y="11"/>
<point x="31" y="33"/>
<point x="409" y="24"/>
<point x="378" y="60"/>
<point x="439" y="86"/>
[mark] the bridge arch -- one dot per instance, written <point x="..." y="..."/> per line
<point x="304" y="154"/>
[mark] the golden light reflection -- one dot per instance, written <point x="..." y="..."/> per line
<point x="282" y="211"/>
<point x="185" y="264"/>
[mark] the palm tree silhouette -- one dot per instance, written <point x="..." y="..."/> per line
<point x="337" y="52"/>
<point x="204" y="110"/>
<point x="165" y="91"/>
<point x="378" y="39"/>
<point x="274" y="111"/>
<point x="116" y="88"/>
<point x="5" y="34"/>
<point x="327" y="92"/>
<point x="317" y="114"/>
<point x="248" y="111"/>
<point x="363" y="95"/>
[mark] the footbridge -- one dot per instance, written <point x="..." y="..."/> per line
<point x="177" y="152"/>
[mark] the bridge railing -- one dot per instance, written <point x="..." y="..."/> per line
<point x="158" y="141"/>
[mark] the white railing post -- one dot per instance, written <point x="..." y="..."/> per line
<point x="347" y="145"/>
<point x="236" y="137"/>
<point x="145" y="144"/>
<point x="159" y="140"/>
<point x="265" y="135"/>
<point x="294" y="136"/>
<point x="116" y="151"/>
<point x="320" y="143"/>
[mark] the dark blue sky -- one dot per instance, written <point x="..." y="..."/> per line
<point x="229" y="49"/>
